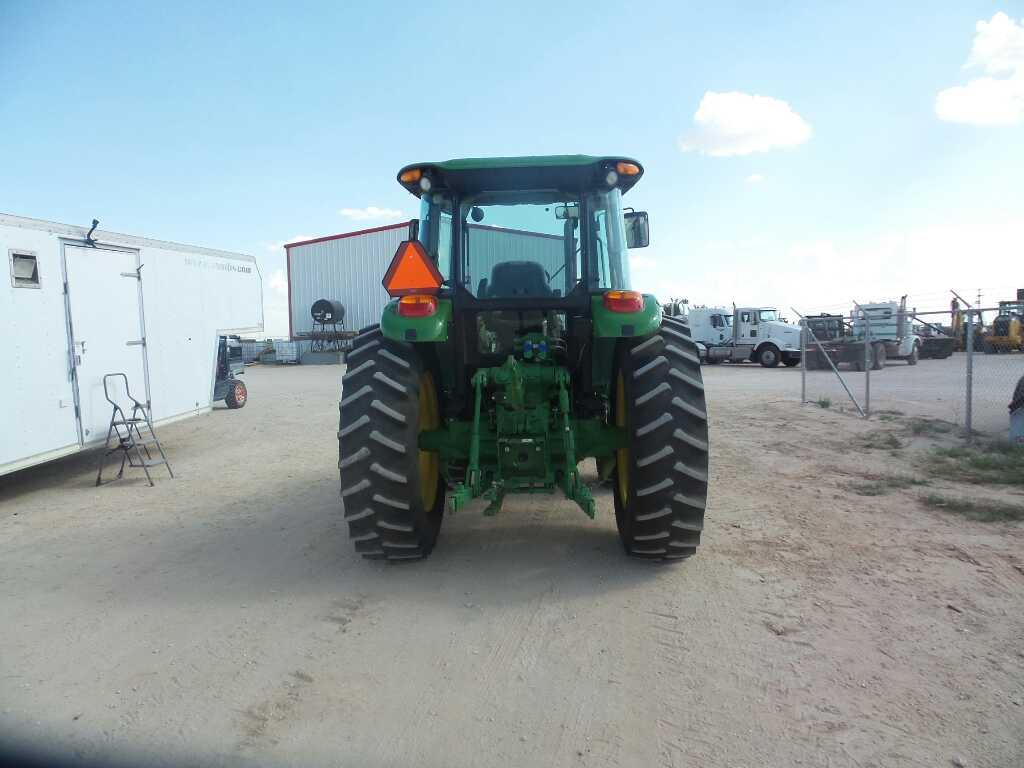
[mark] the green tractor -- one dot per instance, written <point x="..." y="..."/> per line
<point x="512" y="350"/>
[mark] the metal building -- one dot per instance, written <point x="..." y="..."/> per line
<point x="346" y="268"/>
<point x="350" y="267"/>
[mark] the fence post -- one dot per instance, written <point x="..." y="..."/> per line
<point x="969" y="346"/>
<point x="803" y="360"/>
<point x="868" y="361"/>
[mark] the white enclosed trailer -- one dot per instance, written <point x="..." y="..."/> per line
<point x="75" y="309"/>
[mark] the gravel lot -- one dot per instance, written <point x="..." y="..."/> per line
<point x="222" y="615"/>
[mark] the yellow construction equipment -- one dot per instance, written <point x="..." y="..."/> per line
<point x="1007" y="331"/>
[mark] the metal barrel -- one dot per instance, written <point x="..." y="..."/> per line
<point x="328" y="311"/>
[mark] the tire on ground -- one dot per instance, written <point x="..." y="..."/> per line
<point x="392" y="494"/>
<point x="915" y="354"/>
<point x="237" y="395"/>
<point x="769" y="356"/>
<point x="878" y="356"/>
<point x="662" y="475"/>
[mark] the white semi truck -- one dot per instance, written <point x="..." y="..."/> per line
<point x="885" y="326"/>
<point x="740" y="334"/>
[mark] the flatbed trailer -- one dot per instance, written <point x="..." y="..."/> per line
<point x="841" y="350"/>
<point x="886" y="329"/>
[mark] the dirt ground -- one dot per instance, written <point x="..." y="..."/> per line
<point x="223" y="616"/>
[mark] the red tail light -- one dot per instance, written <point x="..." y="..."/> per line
<point x="417" y="305"/>
<point x="623" y="301"/>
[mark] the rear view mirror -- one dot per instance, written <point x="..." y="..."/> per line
<point x="563" y="212"/>
<point x="638" y="232"/>
<point x="414" y="229"/>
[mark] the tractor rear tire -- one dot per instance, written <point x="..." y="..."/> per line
<point x="662" y="475"/>
<point x="392" y="493"/>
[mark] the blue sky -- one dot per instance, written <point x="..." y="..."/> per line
<point x="242" y="126"/>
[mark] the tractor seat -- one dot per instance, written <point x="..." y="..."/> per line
<point x="517" y="279"/>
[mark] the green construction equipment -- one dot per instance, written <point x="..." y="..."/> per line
<point x="514" y="348"/>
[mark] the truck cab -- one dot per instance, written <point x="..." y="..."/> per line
<point x="888" y="323"/>
<point x="762" y="328"/>
<point x="745" y="333"/>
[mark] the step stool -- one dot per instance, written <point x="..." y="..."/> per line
<point x="125" y="435"/>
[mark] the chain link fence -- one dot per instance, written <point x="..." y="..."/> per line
<point x="964" y="367"/>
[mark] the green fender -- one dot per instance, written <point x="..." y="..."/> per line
<point x="433" y="328"/>
<point x="615" y="325"/>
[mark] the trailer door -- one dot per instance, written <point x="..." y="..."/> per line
<point x="106" y="330"/>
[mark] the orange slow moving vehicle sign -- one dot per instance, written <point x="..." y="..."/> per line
<point x="411" y="271"/>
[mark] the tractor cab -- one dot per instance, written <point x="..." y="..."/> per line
<point x="523" y="244"/>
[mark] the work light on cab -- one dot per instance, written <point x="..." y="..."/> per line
<point x="623" y="301"/>
<point x="415" y="177"/>
<point x="412" y="272"/>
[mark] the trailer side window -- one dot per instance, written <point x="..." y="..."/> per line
<point x="24" y="269"/>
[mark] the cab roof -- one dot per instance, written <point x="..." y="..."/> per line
<point x="564" y="172"/>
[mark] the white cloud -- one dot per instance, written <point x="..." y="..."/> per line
<point x="370" y="213"/>
<point x="754" y="178"/>
<point x="735" y="123"/>
<point x="641" y="263"/>
<point x="278" y="246"/>
<point x="275" y="304"/>
<point x="998" y="45"/>
<point x="998" y="49"/>
<point x="278" y="282"/>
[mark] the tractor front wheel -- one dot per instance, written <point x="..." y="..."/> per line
<point x="392" y="493"/>
<point x="661" y="476"/>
